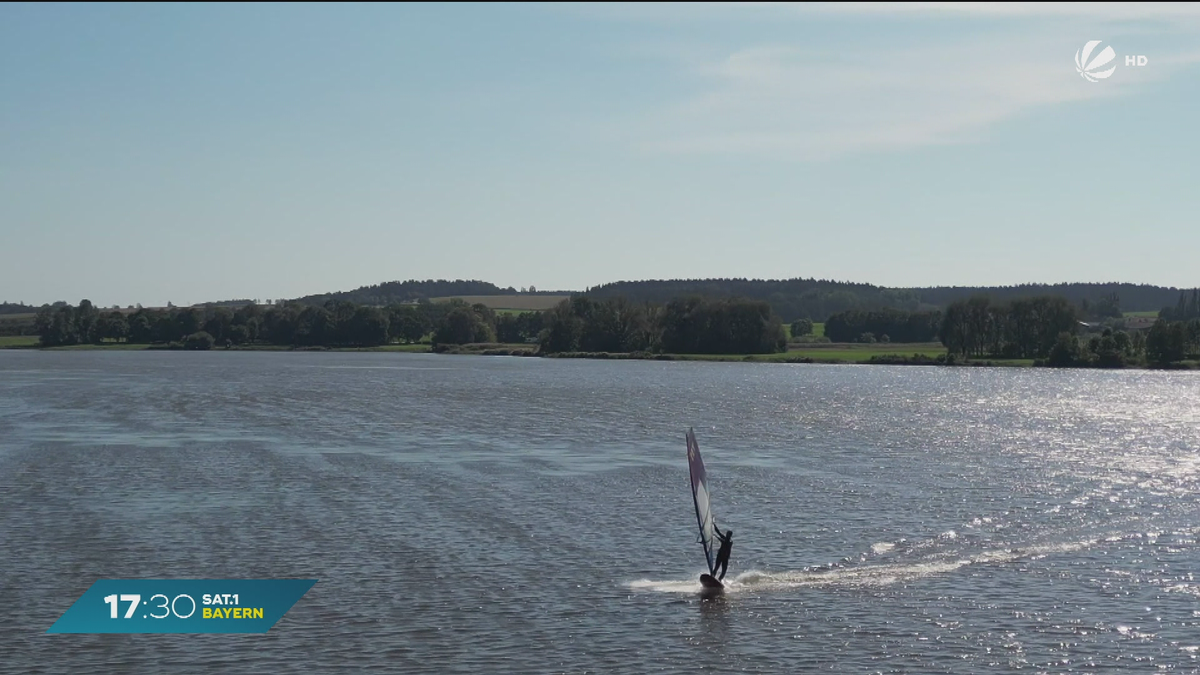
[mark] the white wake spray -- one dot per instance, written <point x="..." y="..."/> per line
<point x="861" y="575"/>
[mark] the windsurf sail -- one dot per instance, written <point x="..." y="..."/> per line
<point x="700" y="496"/>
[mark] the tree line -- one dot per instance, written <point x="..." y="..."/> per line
<point x="1173" y="341"/>
<point x="1185" y="308"/>
<point x="884" y="325"/>
<point x="337" y="323"/>
<point x="464" y="324"/>
<point x="816" y="299"/>
<point x="686" y="325"/>
<point x="391" y="292"/>
<point x="1047" y="329"/>
<point x="16" y="308"/>
<point x="1024" y="328"/>
<point x="1167" y="343"/>
<point x="1086" y="296"/>
<point x="790" y="299"/>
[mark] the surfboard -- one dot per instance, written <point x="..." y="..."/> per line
<point x="704" y="516"/>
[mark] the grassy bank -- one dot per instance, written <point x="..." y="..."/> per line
<point x="490" y="349"/>
<point x="104" y="346"/>
<point x="31" y="342"/>
<point x="799" y="356"/>
<point x="18" y="341"/>
<point x="921" y="354"/>
<point x="418" y="348"/>
<point x="808" y="353"/>
<point x="859" y="353"/>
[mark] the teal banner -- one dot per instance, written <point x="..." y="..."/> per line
<point x="182" y="606"/>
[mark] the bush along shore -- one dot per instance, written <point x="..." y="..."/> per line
<point x="1046" y="331"/>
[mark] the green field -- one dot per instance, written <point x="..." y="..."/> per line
<point x="32" y="341"/>
<point x="821" y="353"/>
<point x="519" y="303"/>
<point x="17" y="341"/>
<point x="418" y="348"/>
<point x="845" y="353"/>
<point x="10" y="341"/>
<point x="827" y="352"/>
<point x="1141" y="314"/>
<point x="108" y="346"/>
<point x="863" y="352"/>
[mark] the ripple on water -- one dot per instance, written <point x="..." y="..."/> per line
<point x="479" y="515"/>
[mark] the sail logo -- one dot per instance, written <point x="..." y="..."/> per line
<point x="1090" y="69"/>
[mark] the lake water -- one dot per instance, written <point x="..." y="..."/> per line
<point x="475" y="514"/>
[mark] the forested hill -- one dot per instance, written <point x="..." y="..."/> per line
<point x="402" y="291"/>
<point x="1133" y="297"/>
<point x="817" y="299"/>
<point x="16" y="308"/>
<point x="791" y="299"/>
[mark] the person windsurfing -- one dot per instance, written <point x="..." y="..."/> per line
<point x="723" y="554"/>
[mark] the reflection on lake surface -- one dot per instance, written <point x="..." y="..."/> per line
<point x="475" y="514"/>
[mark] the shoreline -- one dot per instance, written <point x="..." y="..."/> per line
<point x="873" y="356"/>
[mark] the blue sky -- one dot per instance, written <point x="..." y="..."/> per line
<point x="202" y="152"/>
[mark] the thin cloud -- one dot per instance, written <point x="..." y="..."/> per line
<point x="1120" y="11"/>
<point x="788" y="102"/>
<point x="812" y="101"/>
<point x="724" y="11"/>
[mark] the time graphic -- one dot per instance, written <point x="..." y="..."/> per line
<point x="182" y="606"/>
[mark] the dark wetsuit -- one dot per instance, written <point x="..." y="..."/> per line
<point x="723" y="554"/>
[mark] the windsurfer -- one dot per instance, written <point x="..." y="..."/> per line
<point x="723" y="554"/>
